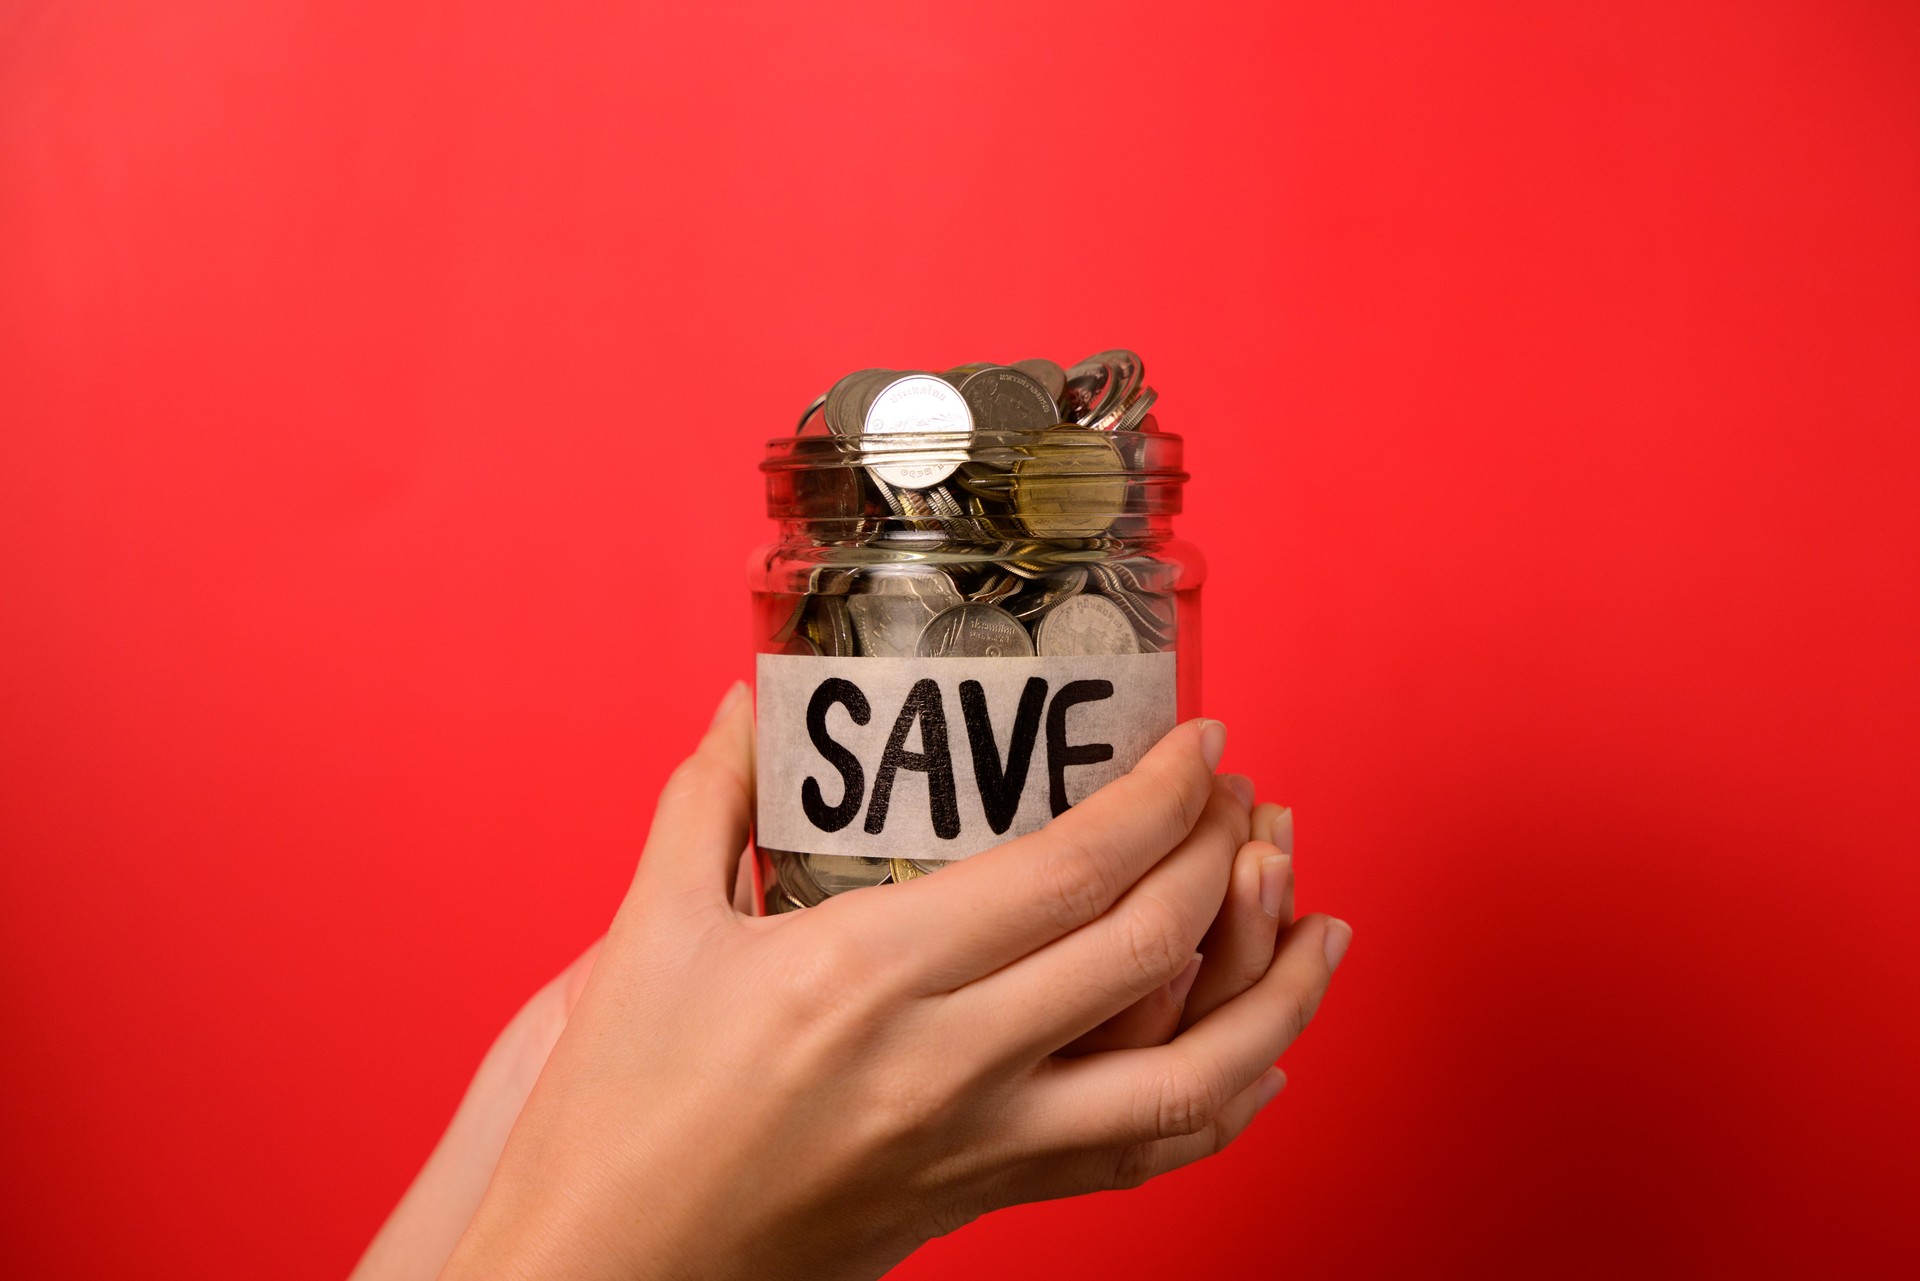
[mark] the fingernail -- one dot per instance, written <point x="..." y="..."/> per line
<point x="1339" y="934"/>
<point x="1181" y="986"/>
<point x="1242" y="787"/>
<point x="735" y="692"/>
<point x="1283" y="831"/>
<point x="1273" y="883"/>
<point x="1271" y="1082"/>
<point x="1213" y="742"/>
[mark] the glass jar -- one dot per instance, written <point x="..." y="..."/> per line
<point x="958" y="635"/>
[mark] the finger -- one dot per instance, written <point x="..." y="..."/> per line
<point x="1112" y="1169"/>
<point x="1274" y="824"/>
<point x="573" y="979"/>
<point x="1143" y="1096"/>
<point x="1070" y="986"/>
<point x="700" y="823"/>
<point x="1151" y="1020"/>
<point x="1239" y="944"/>
<point x="1265" y="814"/>
<point x="983" y="912"/>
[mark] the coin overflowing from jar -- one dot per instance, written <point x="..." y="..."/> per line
<point x="985" y="512"/>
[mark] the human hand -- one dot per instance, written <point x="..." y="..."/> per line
<point x="818" y="1093"/>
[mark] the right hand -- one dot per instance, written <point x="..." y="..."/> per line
<point x="818" y="1093"/>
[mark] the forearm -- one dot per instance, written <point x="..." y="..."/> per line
<point x="418" y="1238"/>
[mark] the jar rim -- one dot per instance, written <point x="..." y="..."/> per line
<point x="1153" y="456"/>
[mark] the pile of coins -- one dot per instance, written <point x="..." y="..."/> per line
<point x="985" y="511"/>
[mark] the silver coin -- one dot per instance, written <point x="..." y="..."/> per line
<point x="830" y="627"/>
<point x="1043" y="594"/>
<point x="960" y="373"/>
<point x="838" y="873"/>
<point x="1008" y="400"/>
<point x="916" y="404"/>
<point x="895" y="605"/>
<point x="1047" y="374"/>
<point x="1085" y="625"/>
<point x="1132" y="416"/>
<point x="996" y="589"/>
<point x="1100" y="387"/>
<point x="975" y="631"/>
<point x="1087" y="385"/>
<point x="842" y="400"/>
<point x="1152" y="613"/>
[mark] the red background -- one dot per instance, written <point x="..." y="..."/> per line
<point x="380" y="390"/>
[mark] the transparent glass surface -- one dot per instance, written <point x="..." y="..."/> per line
<point x="1024" y="522"/>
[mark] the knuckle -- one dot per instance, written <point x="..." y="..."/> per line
<point x="822" y="973"/>
<point x="1175" y="804"/>
<point x="1182" y="1104"/>
<point x="689" y="778"/>
<point x="1250" y="967"/>
<point x="1221" y="833"/>
<point x="700" y="776"/>
<point x="1297" y="1005"/>
<point x="1152" y="943"/>
<point x="1075" y="885"/>
<point x="908" y="1107"/>
<point x="1132" y="1166"/>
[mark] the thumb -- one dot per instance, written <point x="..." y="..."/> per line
<point x="705" y="810"/>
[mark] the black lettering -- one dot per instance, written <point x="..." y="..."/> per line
<point x="925" y="705"/>
<point x="1000" y="789"/>
<point x="1060" y="753"/>
<point x="831" y="818"/>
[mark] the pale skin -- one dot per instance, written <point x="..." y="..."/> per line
<point x="706" y="1093"/>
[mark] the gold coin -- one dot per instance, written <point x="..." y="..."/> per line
<point x="1072" y="484"/>
<point x="906" y="869"/>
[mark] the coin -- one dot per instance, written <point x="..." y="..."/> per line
<point x="894" y="607"/>
<point x="1087" y="384"/>
<point x="838" y="873"/>
<point x="841" y="398"/>
<point x="916" y="404"/>
<point x="975" y="631"/>
<point x="830" y="627"/>
<point x="1042" y="594"/>
<point x="1071" y="485"/>
<point x="1101" y="386"/>
<point x="995" y="589"/>
<point x="1007" y="400"/>
<point x="907" y="869"/>
<point x="1135" y="413"/>
<point x="1085" y="625"/>
<point x="1046" y="373"/>
<point x="1152" y="613"/>
<point x="959" y="373"/>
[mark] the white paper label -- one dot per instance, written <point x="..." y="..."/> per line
<point x="939" y="758"/>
